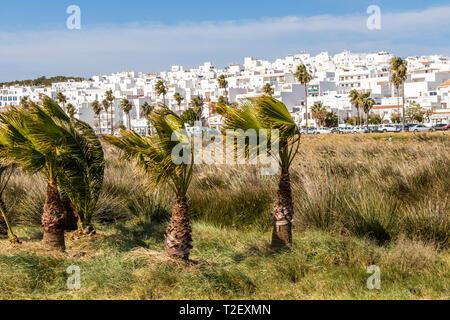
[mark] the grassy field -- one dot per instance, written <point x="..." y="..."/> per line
<point x="360" y="200"/>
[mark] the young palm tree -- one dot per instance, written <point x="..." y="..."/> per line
<point x="105" y="105"/>
<point x="319" y="113"/>
<point x="400" y="69"/>
<point x="71" y="110"/>
<point x="367" y="104"/>
<point x="24" y="101"/>
<point x="223" y="84"/>
<point x="355" y="100"/>
<point x="146" y="111"/>
<point x="5" y="228"/>
<point x="127" y="106"/>
<point x="197" y="105"/>
<point x="154" y="156"/>
<point x="97" y="109"/>
<point x="178" y="98"/>
<point x="62" y="99"/>
<point x="110" y="98"/>
<point x="161" y="89"/>
<point x="304" y="77"/>
<point x="268" y="113"/>
<point x="268" y="90"/>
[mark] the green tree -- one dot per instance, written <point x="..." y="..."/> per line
<point x="304" y="77"/>
<point x="154" y="155"/>
<point x="332" y="120"/>
<point x="367" y="104"/>
<point x="110" y="99"/>
<point x="415" y="112"/>
<point x="178" y="98"/>
<point x="97" y="109"/>
<point x="189" y="116"/>
<point x="6" y="172"/>
<point x="223" y="84"/>
<point x="71" y="110"/>
<point x="197" y="105"/>
<point x="355" y="100"/>
<point x="62" y="99"/>
<point x="146" y="111"/>
<point x="400" y="69"/>
<point x="375" y="119"/>
<point x="268" y="90"/>
<point x="127" y="106"/>
<point x="319" y="113"/>
<point x="161" y="89"/>
<point x="268" y="113"/>
<point x="105" y="105"/>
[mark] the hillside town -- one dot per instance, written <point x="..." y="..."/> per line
<point x="426" y="88"/>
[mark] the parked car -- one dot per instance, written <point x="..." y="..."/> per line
<point x="310" y="131"/>
<point x="440" y="127"/>
<point x="360" y="130"/>
<point x="389" y="128"/>
<point x="419" y="128"/>
<point x="447" y="127"/>
<point x="344" y="130"/>
<point x="323" y="131"/>
<point x="335" y="130"/>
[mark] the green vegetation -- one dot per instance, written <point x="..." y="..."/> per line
<point x="41" y="81"/>
<point x="359" y="201"/>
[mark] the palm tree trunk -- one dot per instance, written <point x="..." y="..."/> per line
<point x="112" y="123"/>
<point x="5" y="228"/>
<point x="306" y="105"/>
<point x="403" y="107"/>
<point x="71" y="216"/>
<point x="283" y="213"/>
<point x="53" y="218"/>
<point x="179" y="233"/>
<point x="398" y="100"/>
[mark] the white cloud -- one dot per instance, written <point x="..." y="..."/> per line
<point x="104" y="49"/>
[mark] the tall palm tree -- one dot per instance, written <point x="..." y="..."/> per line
<point x="304" y="77"/>
<point x="105" y="105"/>
<point x="110" y="98"/>
<point x="367" y="104"/>
<point x="400" y="69"/>
<point x="268" y="90"/>
<point x="6" y="172"/>
<point x="71" y="110"/>
<point x="319" y="113"/>
<point x="178" y="98"/>
<point x="127" y="106"/>
<point x="62" y="99"/>
<point x="154" y="155"/>
<point x="270" y="114"/>
<point x="355" y="100"/>
<point x="161" y="89"/>
<point x="223" y="84"/>
<point x="146" y="111"/>
<point x="197" y="105"/>
<point x="97" y="109"/>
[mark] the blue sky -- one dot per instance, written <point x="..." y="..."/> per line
<point x="148" y="35"/>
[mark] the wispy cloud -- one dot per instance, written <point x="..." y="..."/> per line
<point x="104" y="49"/>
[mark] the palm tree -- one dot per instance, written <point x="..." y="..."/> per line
<point x="105" y="105"/>
<point x="223" y="84"/>
<point x="400" y="69"/>
<point x="67" y="151"/>
<point x="367" y="104"/>
<point x="127" y="106"/>
<point x="268" y="90"/>
<point x="304" y="77"/>
<point x="6" y="172"/>
<point x="154" y="155"/>
<point x="197" y="105"/>
<point x="354" y="99"/>
<point x="71" y="110"/>
<point x="62" y="99"/>
<point x="178" y="98"/>
<point x="319" y="113"/>
<point x="161" y="89"/>
<point x="270" y="114"/>
<point x="24" y="101"/>
<point x="97" y="109"/>
<point x="110" y="98"/>
<point x="146" y="111"/>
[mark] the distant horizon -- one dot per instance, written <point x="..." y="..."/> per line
<point x="150" y="37"/>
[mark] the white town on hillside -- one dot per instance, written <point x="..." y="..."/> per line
<point x="428" y="84"/>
